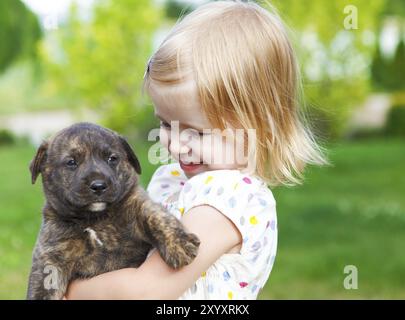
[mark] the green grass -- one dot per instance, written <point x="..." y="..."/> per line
<point x="352" y="213"/>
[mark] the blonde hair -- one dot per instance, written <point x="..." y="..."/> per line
<point x="244" y="66"/>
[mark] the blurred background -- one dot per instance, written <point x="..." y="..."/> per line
<point x="67" y="61"/>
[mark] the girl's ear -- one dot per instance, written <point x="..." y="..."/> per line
<point x="38" y="161"/>
<point x="132" y="158"/>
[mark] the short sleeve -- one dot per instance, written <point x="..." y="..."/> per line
<point x="243" y="199"/>
<point x="167" y="180"/>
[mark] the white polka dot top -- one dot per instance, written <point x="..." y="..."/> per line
<point x="248" y="203"/>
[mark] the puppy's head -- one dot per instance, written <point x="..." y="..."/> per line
<point x="85" y="169"/>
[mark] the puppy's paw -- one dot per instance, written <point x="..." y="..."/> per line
<point x="180" y="249"/>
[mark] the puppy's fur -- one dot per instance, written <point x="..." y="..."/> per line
<point x="96" y="217"/>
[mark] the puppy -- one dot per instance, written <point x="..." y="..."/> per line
<point x="96" y="217"/>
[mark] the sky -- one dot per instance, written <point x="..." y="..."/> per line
<point x="60" y="7"/>
<point x="51" y="12"/>
<point x="43" y="7"/>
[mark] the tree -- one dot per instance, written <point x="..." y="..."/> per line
<point x="174" y="9"/>
<point x="19" y="32"/>
<point x="399" y="66"/>
<point x="379" y="69"/>
<point x="334" y="41"/>
<point x="388" y="73"/>
<point x="102" y="61"/>
<point x="394" y="8"/>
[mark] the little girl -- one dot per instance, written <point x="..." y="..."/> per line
<point x="227" y="67"/>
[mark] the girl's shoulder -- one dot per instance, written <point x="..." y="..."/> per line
<point x="244" y="199"/>
<point x="231" y="184"/>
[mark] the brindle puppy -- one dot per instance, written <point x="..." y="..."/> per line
<point x="96" y="217"/>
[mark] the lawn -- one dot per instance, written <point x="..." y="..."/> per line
<point x="352" y="213"/>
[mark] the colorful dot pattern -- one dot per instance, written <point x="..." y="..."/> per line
<point x="247" y="202"/>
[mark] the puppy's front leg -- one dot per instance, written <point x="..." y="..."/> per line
<point x="48" y="280"/>
<point x="161" y="229"/>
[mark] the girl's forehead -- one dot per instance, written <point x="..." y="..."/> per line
<point x="183" y="93"/>
<point x="178" y="102"/>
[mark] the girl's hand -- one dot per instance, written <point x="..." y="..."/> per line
<point x="110" y="285"/>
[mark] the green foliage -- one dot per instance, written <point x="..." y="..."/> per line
<point x="379" y="68"/>
<point x="366" y="133"/>
<point x="389" y="74"/>
<point x="103" y="60"/>
<point x="21" y="91"/>
<point x="6" y="137"/>
<point x="100" y="63"/>
<point x="330" y="103"/>
<point x="19" y="32"/>
<point x="326" y="19"/>
<point x="395" y="125"/>
<point x="334" y="60"/>
<point x="399" y="64"/>
<point x="174" y="9"/>
<point x="395" y="7"/>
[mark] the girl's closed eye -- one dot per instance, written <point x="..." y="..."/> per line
<point x="204" y="132"/>
<point x="165" y="124"/>
<point x="194" y="132"/>
<point x="200" y="133"/>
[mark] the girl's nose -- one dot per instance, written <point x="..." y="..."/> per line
<point x="177" y="147"/>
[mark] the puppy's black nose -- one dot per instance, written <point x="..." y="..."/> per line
<point x="98" y="186"/>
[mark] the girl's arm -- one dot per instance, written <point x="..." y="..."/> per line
<point x="154" y="279"/>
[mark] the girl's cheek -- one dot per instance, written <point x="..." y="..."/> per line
<point x="164" y="136"/>
<point x="221" y="152"/>
<point x="211" y="149"/>
<point x="206" y="149"/>
<point x="194" y="147"/>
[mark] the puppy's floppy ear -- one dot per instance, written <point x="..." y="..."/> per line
<point x="133" y="160"/>
<point x="38" y="161"/>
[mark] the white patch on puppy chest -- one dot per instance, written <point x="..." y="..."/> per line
<point x="97" y="206"/>
<point x="93" y="235"/>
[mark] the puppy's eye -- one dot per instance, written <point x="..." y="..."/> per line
<point x="113" y="159"/>
<point x="71" y="163"/>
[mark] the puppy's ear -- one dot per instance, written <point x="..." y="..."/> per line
<point x="38" y="161"/>
<point x="133" y="160"/>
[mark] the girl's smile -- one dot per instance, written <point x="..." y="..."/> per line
<point x="191" y="167"/>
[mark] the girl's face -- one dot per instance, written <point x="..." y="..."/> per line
<point x="187" y="134"/>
